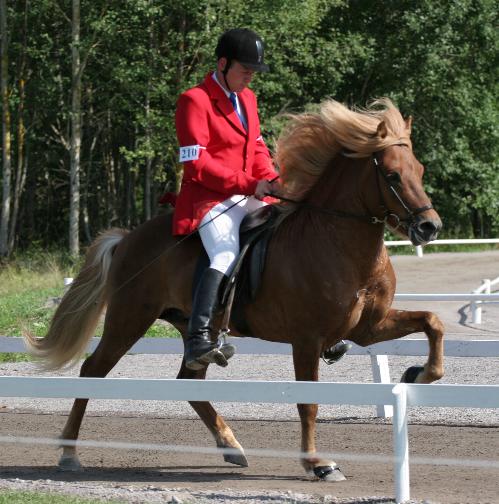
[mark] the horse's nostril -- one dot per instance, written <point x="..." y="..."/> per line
<point x="428" y="228"/>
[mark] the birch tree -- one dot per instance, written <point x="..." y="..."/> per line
<point x="22" y="158"/>
<point x="6" y="137"/>
<point x="74" y="171"/>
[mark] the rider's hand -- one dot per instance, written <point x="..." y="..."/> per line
<point x="263" y="188"/>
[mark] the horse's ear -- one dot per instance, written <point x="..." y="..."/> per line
<point x="408" y="124"/>
<point x="381" y="131"/>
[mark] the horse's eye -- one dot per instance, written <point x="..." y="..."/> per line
<point x="394" y="177"/>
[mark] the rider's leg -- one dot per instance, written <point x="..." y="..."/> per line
<point x="199" y="345"/>
<point x="219" y="231"/>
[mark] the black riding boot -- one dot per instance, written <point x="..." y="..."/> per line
<point x="200" y="350"/>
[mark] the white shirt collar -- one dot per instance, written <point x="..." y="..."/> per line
<point x="214" y="76"/>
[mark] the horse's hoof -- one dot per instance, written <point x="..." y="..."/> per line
<point x="411" y="374"/>
<point x="329" y="473"/>
<point x="69" y="464"/>
<point x="238" y="459"/>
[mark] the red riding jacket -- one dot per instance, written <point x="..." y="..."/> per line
<point x="220" y="157"/>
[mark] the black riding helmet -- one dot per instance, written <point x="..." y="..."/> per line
<point x="244" y="46"/>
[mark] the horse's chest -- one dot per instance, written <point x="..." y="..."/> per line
<point x="360" y="302"/>
<point x="357" y="308"/>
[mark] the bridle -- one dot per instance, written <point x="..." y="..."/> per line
<point x="412" y="213"/>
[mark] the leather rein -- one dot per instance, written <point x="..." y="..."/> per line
<point x="411" y="212"/>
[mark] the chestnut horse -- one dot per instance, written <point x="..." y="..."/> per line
<point x="327" y="277"/>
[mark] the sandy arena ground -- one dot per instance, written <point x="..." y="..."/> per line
<point x="156" y="476"/>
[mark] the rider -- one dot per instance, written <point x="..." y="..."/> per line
<point x="225" y="163"/>
<point x="228" y="172"/>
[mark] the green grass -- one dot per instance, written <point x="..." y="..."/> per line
<point x="28" y="287"/>
<point x="22" y="497"/>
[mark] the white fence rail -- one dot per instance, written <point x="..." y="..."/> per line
<point x="378" y="353"/>
<point x="419" y="248"/>
<point x="251" y="346"/>
<point x="476" y="299"/>
<point x="400" y="396"/>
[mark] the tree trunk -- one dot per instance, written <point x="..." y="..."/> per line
<point x="74" y="172"/>
<point x="22" y="165"/>
<point x="6" y="138"/>
<point x="148" y="167"/>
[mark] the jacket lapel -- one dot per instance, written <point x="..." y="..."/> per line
<point x="223" y="104"/>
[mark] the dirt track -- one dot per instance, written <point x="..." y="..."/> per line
<point x="200" y="473"/>
<point x="209" y="472"/>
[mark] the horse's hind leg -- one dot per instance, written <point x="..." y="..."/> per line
<point x="120" y="333"/>
<point x="222" y="433"/>
<point x="97" y="365"/>
<point x="400" y="323"/>
<point x="306" y="363"/>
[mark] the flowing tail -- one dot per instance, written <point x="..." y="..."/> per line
<point x="76" y="318"/>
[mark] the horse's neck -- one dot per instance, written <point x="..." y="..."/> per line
<point x="349" y="186"/>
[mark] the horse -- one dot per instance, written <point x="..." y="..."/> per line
<point x="346" y="174"/>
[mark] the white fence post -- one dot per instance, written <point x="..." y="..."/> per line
<point x="476" y="306"/>
<point x="487" y="283"/>
<point x="401" y="444"/>
<point x="381" y="374"/>
<point x="419" y="250"/>
<point x="476" y="312"/>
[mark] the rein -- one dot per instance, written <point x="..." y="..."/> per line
<point x="330" y="211"/>
<point x="411" y="213"/>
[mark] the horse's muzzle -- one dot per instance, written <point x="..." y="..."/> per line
<point x="424" y="230"/>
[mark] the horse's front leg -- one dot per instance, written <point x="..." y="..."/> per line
<point x="306" y="362"/>
<point x="400" y="323"/>
<point x="222" y="433"/>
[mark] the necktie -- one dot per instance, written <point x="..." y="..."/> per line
<point x="233" y="100"/>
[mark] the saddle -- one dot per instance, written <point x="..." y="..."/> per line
<point x="242" y="285"/>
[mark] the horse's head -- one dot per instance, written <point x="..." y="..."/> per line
<point x="408" y="209"/>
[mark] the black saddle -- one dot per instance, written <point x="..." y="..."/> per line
<point x="255" y="233"/>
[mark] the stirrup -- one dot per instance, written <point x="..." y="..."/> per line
<point x="336" y="352"/>
<point x="219" y="355"/>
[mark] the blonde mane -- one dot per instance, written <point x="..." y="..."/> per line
<point x="311" y="140"/>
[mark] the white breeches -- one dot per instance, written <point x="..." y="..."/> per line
<point x="220" y="237"/>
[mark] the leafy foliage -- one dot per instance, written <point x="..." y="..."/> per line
<point x="437" y="60"/>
